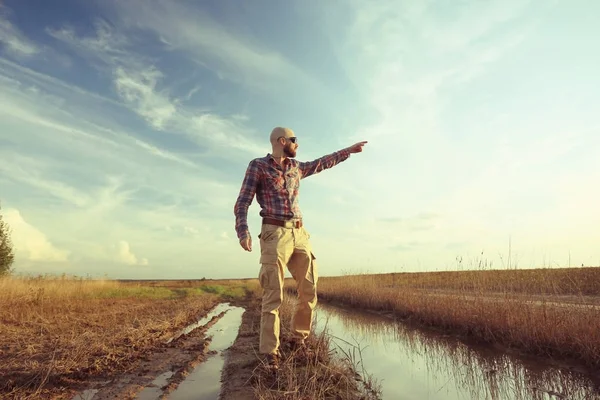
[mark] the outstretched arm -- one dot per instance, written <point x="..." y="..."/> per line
<point x="314" y="167"/>
<point x="245" y="197"/>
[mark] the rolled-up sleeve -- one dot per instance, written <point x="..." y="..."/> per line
<point x="314" y="167"/>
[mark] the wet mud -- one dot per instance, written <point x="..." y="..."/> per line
<point x="187" y="365"/>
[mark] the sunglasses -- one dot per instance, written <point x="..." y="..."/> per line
<point x="292" y="139"/>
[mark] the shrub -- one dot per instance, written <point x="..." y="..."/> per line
<point x="7" y="256"/>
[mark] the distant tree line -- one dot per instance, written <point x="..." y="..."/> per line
<point x="7" y="256"/>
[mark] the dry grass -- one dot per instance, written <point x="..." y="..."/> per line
<point x="546" y="281"/>
<point x="326" y="375"/>
<point x="524" y="309"/>
<point x="18" y="291"/>
<point x="55" y="331"/>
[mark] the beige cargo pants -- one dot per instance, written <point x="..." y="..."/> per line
<point x="280" y="247"/>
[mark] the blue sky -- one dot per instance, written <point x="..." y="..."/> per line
<point x="126" y="128"/>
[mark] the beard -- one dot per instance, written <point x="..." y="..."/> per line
<point x="289" y="151"/>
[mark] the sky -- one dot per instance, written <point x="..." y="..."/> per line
<point x="126" y="128"/>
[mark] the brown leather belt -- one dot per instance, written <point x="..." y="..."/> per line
<point x="285" y="224"/>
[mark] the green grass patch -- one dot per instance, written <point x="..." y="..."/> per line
<point x="226" y="292"/>
<point x="138" y="292"/>
<point x="215" y="289"/>
<point x="158" y="292"/>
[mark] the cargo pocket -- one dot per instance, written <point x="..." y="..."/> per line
<point x="269" y="277"/>
<point x="268" y="253"/>
<point x="268" y="257"/>
<point x="312" y="275"/>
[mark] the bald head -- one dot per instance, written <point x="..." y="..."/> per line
<point x="278" y="132"/>
<point x="281" y="143"/>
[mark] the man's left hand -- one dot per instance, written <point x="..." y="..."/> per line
<point x="357" y="148"/>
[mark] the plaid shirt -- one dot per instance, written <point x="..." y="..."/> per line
<point x="276" y="187"/>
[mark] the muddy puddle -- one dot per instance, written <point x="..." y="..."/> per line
<point x="410" y="363"/>
<point x="204" y="381"/>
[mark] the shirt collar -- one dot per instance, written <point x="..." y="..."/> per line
<point x="270" y="159"/>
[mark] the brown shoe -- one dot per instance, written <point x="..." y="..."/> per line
<point x="273" y="362"/>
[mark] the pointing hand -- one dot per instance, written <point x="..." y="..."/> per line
<point x="357" y="148"/>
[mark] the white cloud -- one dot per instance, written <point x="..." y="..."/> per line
<point x="421" y="222"/>
<point x="78" y="117"/>
<point x="234" y="57"/>
<point x="126" y="256"/>
<point x="134" y="78"/>
<point x="222" y="132"/>
<point x="411" y="55"/>
<point x="191" y="230"/>
<point x="105" y="182"/>
<point x="446" y="135"/>
<point x="137" y="82"/>
<point x="14" y="41"/>
<point x="414" y="63"/>
<point x="164" y="154"/>
<point x="20" y="76"/>
<point x="29" y="171"/>
<point x="29" y="242"/>
<point x="138" y="90"/>
<point x="136" y="172"/>
<point x="106" y="48"/>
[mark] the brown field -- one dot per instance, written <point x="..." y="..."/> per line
<point x="58" y="335"/>
<point x="546" y="312"/>
<point x="54" y="332"/>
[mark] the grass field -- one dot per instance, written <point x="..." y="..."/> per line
<point x="547" y="312"/>
<point x="57" y="332"/>
<point x="54" y="331"/>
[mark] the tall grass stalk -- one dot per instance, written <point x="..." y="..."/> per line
<point x="325" y="375"/>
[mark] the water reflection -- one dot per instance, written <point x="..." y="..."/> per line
<point x="204" y="382"/>
<point x="413" y="364"/>
<point x="215" y="311"/>
<point x="154" y="390"/>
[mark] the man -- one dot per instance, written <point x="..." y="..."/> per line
<point x="284" y="241"/>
